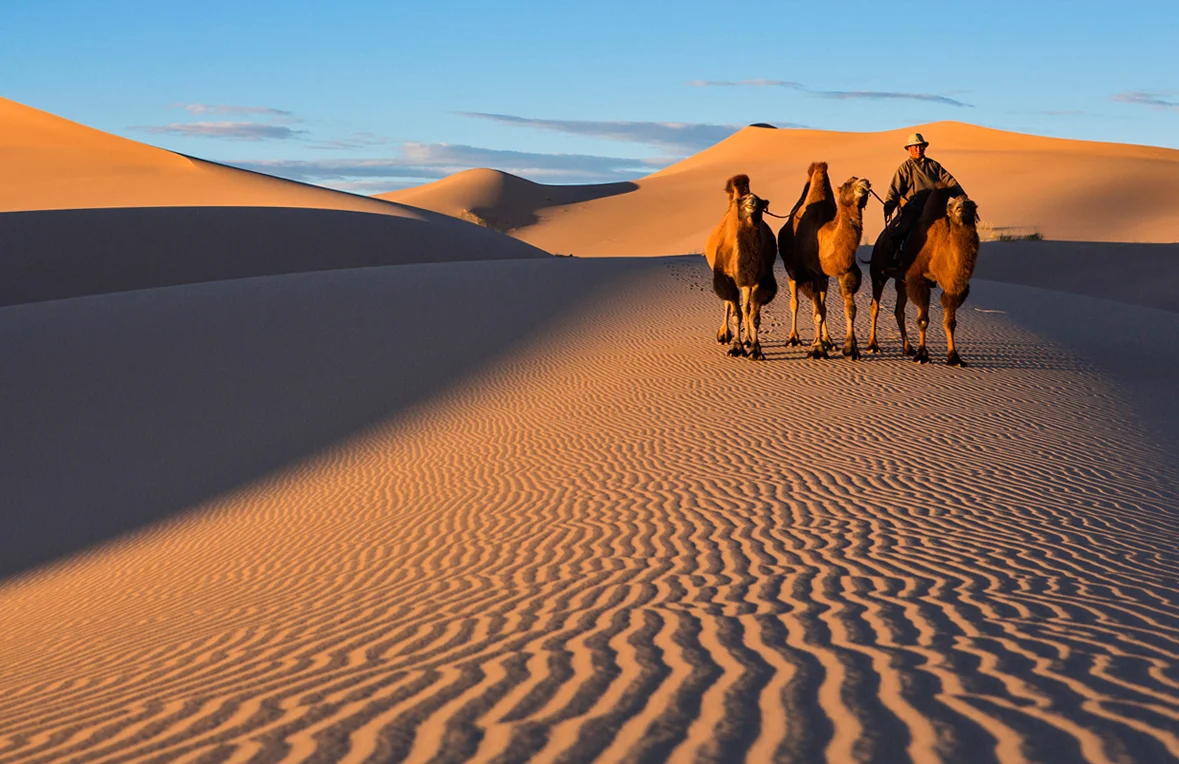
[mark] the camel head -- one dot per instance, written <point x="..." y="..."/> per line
<point x="855" y="191"/>
<point x="750" y="207"/>
<point x="962" y="210"/>
<point x="737" y="187"/>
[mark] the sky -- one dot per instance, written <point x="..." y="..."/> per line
<point x="376" y="96"/>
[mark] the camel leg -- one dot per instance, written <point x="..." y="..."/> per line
<point x="918" y="289"/>
<point x="902" y="301"/>
<point x="752" y="309"/>
<point x="827" y="343"/>
<point x="736" y="349"/>
<point x="950" y="303"/>
<point x="818" y="349"/>
<point x="874" y="310"/>
<point x="793" y="339"/>
<point x="724" y="336"/>
<point x="850" y="348"/>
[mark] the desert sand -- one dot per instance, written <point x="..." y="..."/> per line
<point x="1061" y="189"/>
<point x="86" y="212"/>
<point x="580" y="530"/>
<point x="521" y="508"/>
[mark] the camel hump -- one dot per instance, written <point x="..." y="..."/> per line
<point x="816" y="166"/>
<point x="738" y="183"/>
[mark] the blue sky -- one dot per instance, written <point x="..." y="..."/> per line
<point x="374" y="96"/>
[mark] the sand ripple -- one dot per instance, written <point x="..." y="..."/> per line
<point x="619" y="544"/>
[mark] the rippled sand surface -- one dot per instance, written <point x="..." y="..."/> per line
<point x="612" y="542"/>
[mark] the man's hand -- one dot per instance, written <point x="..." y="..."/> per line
<point x="889" y="208"/>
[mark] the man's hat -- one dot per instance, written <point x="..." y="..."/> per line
<point x="917" y="139"/>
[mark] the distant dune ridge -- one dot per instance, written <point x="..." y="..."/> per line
<point x="1062" y="189"/>
<point x="86" y="212"/>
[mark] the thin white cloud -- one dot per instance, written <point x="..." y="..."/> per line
<point x="1163" y="100"/>
<point x="674" y="136"/>
<point x="352" y="141"/>
<point x="835" y="94"/>
<point x="430" y="161"/>
<point x="201" y="109"/>
<point x="238" y="131"/>
<point x="759" y="83"/>
<point x="878" y="95"/>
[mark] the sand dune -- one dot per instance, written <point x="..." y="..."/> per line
<point x="52" y="163"/>
<point x="1062" y="189"/>
<point x="85" y="212"/>
<point x="603" y="538"/>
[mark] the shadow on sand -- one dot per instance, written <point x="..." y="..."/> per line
<point x="55" y="254"/>
<point x="121" y="410"/>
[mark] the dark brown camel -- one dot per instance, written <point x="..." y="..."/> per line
<point x="941" y="250"/>
<point x="818" y="242"/>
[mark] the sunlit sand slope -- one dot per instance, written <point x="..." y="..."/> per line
<point x="86" y="212"/>
<point x="52" y="163"/>
<point x="1061" y="189"/>
<point x="616" y="543"/>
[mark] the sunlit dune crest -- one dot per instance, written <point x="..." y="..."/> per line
<point x="1060" y="189"/>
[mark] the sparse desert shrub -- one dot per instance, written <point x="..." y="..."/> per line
<point x="483" y="220"/>
<point x="987" y="232"/>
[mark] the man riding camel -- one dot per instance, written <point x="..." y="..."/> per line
<point x="917" y="173"/>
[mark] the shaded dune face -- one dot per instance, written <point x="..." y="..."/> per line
<point x="56" y="254"/>
<point x="582" y="553"/>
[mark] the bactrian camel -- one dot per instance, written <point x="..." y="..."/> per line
<point x="819" y="242"/>
<point x="741" y="252"/>
<point x="941" y="250"/>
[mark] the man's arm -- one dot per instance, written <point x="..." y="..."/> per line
<point x="947" y="180"/>
<point x="900" y="184"/>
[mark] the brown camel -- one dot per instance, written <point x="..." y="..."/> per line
<point x="941" y="250"/>
<point x="741" y="252"/>
<point x="819" y="242"/>
<point x="884" y="267"/>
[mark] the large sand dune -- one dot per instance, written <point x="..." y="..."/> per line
<point x="1061" y="189"/>
<point x="594" y="537"/>
<point x="86" y="212"/>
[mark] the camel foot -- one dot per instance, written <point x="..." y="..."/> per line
<point x="909" y="349"/>
<point x="828" y="345"/>
<point x="955" y="360"/>
<point x="873" y="348"/>
<point x="737" y="350"/>
<point x="755" y="352"/>
<point x="818" y="352"/>
<point x="852" y="352"/>
<point x="793" y="341"/>
<point x="725" y="337"/>
<point x="922" y="356"/>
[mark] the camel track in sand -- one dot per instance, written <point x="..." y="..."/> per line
<point x="617" y="543"/>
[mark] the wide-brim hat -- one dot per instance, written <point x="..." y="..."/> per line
<point x="916" y="139"/>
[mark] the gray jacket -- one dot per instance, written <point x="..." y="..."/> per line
<point x="917" y="175"/>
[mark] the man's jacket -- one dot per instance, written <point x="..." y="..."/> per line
<point x="917" y="175"/>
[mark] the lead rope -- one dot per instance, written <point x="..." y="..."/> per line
<point x="784" y="217"/>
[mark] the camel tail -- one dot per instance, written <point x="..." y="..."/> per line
<point x="857" y="279"/>
<point x="738" y="183"/>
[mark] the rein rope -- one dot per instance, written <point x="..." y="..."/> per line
<point x="786" y="217"/>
